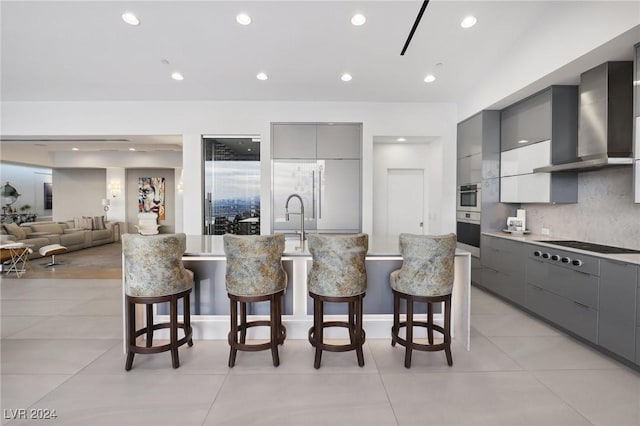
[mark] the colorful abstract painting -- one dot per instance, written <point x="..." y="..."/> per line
<point x="151" y="196"/>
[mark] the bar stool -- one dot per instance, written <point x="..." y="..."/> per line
<point x="154" y="273"/>
<point x="338" y="274"/>
<point x="255" y="274"/>
<point x="426" y="275"/>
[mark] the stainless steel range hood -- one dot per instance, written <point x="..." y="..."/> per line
<point x="605" y="121"/>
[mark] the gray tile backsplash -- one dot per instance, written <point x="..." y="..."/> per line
<point x="605" y="212"/>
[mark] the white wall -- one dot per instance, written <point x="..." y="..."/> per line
<point x="29" y="181"/>
<point x="78" y="192"/>
<point x="193" y="119"/>
<point x="408" y="156"/>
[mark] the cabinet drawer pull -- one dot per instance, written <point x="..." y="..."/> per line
<point x="583" y="273"/>
<point x="582" y="305"/>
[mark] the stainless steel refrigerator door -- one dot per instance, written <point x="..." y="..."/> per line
<point x="338" y="199"/>
<point x="294" y="177"/>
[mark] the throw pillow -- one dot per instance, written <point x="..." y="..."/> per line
<point x="98" y="222"/>
<point x="87" y="223"/>
<point x="16" y="231"/>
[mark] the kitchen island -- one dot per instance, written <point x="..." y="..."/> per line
<point x="210" y="305"/>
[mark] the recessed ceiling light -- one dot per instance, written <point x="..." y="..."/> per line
<point x="132" y="149"/>
<point x="248" y="149"/>
<point x="346" y="77"/>
<point x="177" y="76"/>
<point x="243" y="19"/>
<point x="75" y="149"/>
<point x="468" y="21"/>
<point x="262" y="76"/>
<point x="401" y="140"/>
<point x="430" y="78"/>
<point x="358" y="19"/>
<point x="130" y="18"/>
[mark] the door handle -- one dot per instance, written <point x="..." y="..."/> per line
<point x="320" y="194"/>
<point x="421" y="224"/>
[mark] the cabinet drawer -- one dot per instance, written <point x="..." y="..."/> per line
<point x="638" y="345"/>
<point x="579" y="319"/>
<point x="575" y="286"/>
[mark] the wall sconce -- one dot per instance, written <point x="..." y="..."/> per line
<point x="106" y="203"/>
<point x="114" y="188"/>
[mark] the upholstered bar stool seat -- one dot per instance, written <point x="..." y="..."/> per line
<point x="154" y="273"/>
<point x="338" y="274"/>
<point x="426" y="276"/>
<point x="255" y="274"/>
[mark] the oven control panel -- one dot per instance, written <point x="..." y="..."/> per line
<point x="572" y="260"/>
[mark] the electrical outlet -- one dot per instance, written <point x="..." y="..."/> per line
<point x="545" y="231"/>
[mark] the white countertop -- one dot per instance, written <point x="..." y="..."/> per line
<point x="540" y="239"/>
<point x="212" y="246"/>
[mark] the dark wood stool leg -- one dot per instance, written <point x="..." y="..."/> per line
<point x="149" y="337"/>
<point x="186" y="311"/>
<point x="447" y="330"/>
<point x="233" y="334"/>
<point x="243" y="322"/>
<point x="359" y="332"/>
<point x="430" y="322"/>
<point x="318" y="333"/>
<point x="130" y="313"/>
<point x="352" y="321"/>
<point x="173" y="331"/>
<point x="275" y="330"/>
<point x="409" y="337"/>
<point x="395" y="329"/>
<point x="281" y="334"/>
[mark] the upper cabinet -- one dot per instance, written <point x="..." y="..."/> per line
<point x="311" y="141"/>
<point x="478" y="148"/>
<point x="537" y="131"/>
<point x="636" y="127"/>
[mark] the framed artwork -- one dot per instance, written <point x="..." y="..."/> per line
<point x="48" y="196"/>
<point x="151" y="196"/>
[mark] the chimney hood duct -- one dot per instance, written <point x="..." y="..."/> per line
<point x="605" y="119"/>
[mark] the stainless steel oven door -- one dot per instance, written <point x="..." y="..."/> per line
<point x="468" y="231"/>
<point x="469" y="198"/>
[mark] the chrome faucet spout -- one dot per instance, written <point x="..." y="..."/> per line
<point x="287" y="214"/>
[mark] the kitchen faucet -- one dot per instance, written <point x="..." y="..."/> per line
<point x="286" y="215"/>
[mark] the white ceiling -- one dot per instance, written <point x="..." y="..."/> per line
<point x="83" y="51"/>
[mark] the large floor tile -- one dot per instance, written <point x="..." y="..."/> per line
<point x="302" y="399"/>
<point x="504" y="398"/>
<point x="483" y="356"/>
<point x="74" y="327"/>
<point x="604" y="397"/>
<point x="515" y="324"/>
<point x="104" y="306"/>
<point x="11" y="325"/>
<point x="38" y="307"/>
<point x="133" y="399"/>
<point x="484" y="303"/>
<point x="553" y="353"/>
<point x="20" y="391"/>
<point x="50" y="356"/>
<point x="204" y="357"/>
<point x="297" y="356"/>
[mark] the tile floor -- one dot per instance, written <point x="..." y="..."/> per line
<point x="61" y="350"/>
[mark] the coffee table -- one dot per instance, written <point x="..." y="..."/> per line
<point x="19" y="253"/>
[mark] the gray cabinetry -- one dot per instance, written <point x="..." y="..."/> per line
<point x="470" y="136"/>
<point x="527" y="121"/>
<point x="548" y="121"/>
<point x="291" y="141"/>
<point x="503" y="267"/>
<point x="617" y="311"/>
<point x="636" y="123"/>
<point x="562" y="293"/>
<point x="321" y="164"/>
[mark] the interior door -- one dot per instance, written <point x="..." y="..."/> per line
<point x="405" y="201"/>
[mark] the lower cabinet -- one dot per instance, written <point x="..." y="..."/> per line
<point x="617" y="310"/>
<point x="503" y="267"/>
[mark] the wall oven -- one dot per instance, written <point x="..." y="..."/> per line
<point x="468" y="231"/>
<point x="469" y="198"/>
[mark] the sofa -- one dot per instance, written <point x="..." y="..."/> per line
<point x="71" y="234"/>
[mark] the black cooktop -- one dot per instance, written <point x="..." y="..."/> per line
<point x="598" y="248"/>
